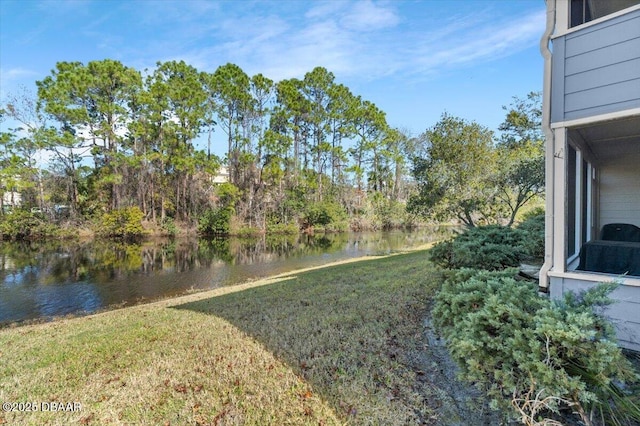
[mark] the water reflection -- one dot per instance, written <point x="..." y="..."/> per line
<point x="42" y="280"/>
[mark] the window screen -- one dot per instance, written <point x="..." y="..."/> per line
<point x="582" y="11"/>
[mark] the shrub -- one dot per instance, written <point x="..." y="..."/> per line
<point x="539" y="355"/>
<point x="169" y="226"/>
<point x="274" y="227"/>
<point x="388" y="213"/>
<point x="489" y="247"/>
<point x="337" y="226"/>
<point x="247" y="232"/>
<point x="215" y="221"/>
<point x="122" y="223"/>
<point x="325" y="213"/>
<point x="531" y="235"/>
<point x="536" y="211"/>
<point x="23" y="225"/>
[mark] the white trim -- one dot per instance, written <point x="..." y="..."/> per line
<point x="549" y="221"/>
<point x="578" y="201"/>
<point x="562" y="18"/>
<point x="571" y="260"/>
<point x="596" y="277"/>
<point x="589" y="219"/>
<point x="559" y="190"/>
<point x="563" y="13"/>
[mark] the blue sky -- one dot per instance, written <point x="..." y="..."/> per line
<point x="413" y="59"/>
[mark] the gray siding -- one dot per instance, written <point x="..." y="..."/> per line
<point x="596" y="70"/>
<point x="620" y="193"/>
<point x="624" y="314"/>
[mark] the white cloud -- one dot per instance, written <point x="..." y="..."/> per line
<point x="367" y="16"/>
<point x="14" y="77"/>
<point x="485" y="42"/>
<point x="325" y="9"/>
<point x="364" y="39"/>
<point x="332" y="35"/>
<point x="16" y="74"/>
<point x="282" y="45"/>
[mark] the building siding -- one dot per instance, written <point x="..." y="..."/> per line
<point x="595" y="70"/>
<point x="620" y="193"/>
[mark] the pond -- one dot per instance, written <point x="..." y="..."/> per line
<point x="46" y="280"/>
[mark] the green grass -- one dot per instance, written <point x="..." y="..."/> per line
<point x="337" y="345"/>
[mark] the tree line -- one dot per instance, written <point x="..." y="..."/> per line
<point x="299" y="152"/>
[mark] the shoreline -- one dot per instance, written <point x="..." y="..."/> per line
<point x="196" y="295"/>
<point x="329" y="344"/>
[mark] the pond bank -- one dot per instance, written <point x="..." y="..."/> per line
<point x="329" y="345"/>
<point x="41" y="281"/>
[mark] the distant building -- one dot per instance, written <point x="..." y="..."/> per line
<point x="11" y="199"/>
<point x="591" y="118"/>
<point x="222" y="176"/>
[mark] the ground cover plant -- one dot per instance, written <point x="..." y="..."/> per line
<point x="489" y="247"/>
<point x="493" y="247"/>
<point x="546" y="359"/>
<point x="339" y="345"/>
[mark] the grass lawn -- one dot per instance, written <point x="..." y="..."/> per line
<point x="338" y="345"/>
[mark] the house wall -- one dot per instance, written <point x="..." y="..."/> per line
<point x="624" y="314"/>
<point x="595" y="69"/>
<point x="222" y="176"/>
<point x="620" y="192"/>
<point x="11" y="198"/>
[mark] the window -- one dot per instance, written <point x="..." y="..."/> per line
<point x="582" y="11"/>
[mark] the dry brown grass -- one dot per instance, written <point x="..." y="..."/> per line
<point x="335" y="345"/>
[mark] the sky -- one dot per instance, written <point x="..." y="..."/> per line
<point x="414" y="59"/>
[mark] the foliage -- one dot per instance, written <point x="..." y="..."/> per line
<point x="388" y="213"/>
<point x="489" y="247"/>
<point x="338" y="226"/>
<point x="228" y="194"/>
<point x="169" y="226"/>
<point x="536" y="211"/>
<point x="274" y="227"/>
<point x="461" y="174"/>
<point x="534" y="352"/>
<point x="521" y="154"/>
<point x="464" y="290"/>
<point x="21" y="224"/>
<point x="246" y="232"/>
<point x="324" y="213"/>
<point x="122" y="223"/>
<point x="119" y="137"/>
<point x="523" y="122"/>
<point x="454" y="172"/>
<point x="531" y="234"/>
<point x="215" y="221"/>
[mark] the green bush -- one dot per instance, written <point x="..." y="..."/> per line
<point x="282" y="228"/>
<point x="337" y="226"/>
<point x="388" y="213"/>
<point x="247" y="232"/>
<point x="532" y="354"/>
<point x="24" y="225"/>
<point x="324" y="213"/>
<point x="122" y="223"/>
<point x="531" y="234"/>
<point x="215" y="221"/>
<point x="169" y="226"/>
<point x="489" y="247"/>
